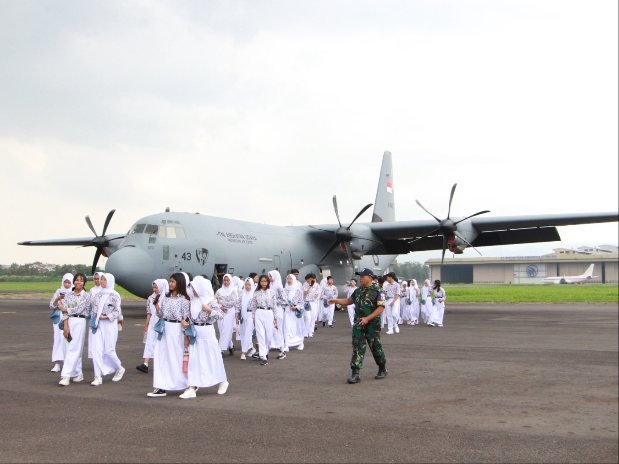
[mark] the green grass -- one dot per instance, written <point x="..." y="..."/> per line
<point x="456" y="293"/>
<point x="50" y="287"/>
<point x="551" y="293"/>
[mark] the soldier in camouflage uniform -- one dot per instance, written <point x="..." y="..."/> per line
<point x="369" y="303"/>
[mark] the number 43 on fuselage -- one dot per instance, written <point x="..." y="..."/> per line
<point x="160" y="244"/>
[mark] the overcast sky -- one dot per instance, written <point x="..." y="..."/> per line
<point x="262" y="110"/>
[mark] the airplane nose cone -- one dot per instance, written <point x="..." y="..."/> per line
<point x="132" y="268"/>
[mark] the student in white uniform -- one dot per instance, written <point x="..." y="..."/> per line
<point x="159" y="287"/>
<point x="311" y="297"/>
<point x="439" y="304"/>
<point x="278" y="341"/>
<point x="405" y="306"/>
<point x="228" y="299"/>
<point x="76" y="308"/>
<point x="105" y="308"/>
<point x="59" y="346"/>
<point x="391" y="287"/>
<point x="96" y="279"/>
<point x="426" y="302"/>
<point x="263" y="304"/>
<point x="329" y="292"/>
<point x="294" y="326"/>
<point x="206" y="366"/>
<point x="172" y="307"/>
<point x="414" y="296"/>
<point x="246" y="319"/>
<point x="350" y="289"/>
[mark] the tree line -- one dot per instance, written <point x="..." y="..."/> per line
<point x="40" y="271"/>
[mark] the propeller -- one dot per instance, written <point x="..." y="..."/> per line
<point x="343" y="235"/>
<point x="447" y="227"/>
<point x="100" y="241"/>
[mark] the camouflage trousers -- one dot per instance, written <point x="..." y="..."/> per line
<point x="369" y="334"/>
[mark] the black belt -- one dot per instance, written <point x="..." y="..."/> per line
<point x="201" y="323"/>
<point x="262" y="307"/>
<point x="172" y="320"/>
<point x="77" y="315"/>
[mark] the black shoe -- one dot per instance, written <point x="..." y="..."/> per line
<point x="256" y="355"/>
<point x="281" y="355"/>
<point x="264" y="362"/>
<point x="222" y="354"/>
<point x="382" y="372"/>
<point x="158" y="392"/>
<point x="142" y="368"/>
<point x="331" y="326"/>
<point x="324" y="323"/>
<point x="315" y="328"/>
<point x="231" y="351"/>
<point x="354" y="378"/>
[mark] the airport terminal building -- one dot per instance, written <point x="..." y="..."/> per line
<point x="529" y="269"/>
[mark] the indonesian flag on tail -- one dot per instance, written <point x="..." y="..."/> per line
<point x="389" y="186"/>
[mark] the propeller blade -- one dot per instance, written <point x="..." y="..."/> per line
<point x="472" y="215"/>
<point x="422" y="207"/>
<point x="424" y="236"/>
<point x="333" y="247"/>
<point x="337" y="213"/>
<point x="321" y="230"/>
<point x="348" y="252"/>
<point x="451" y="197"/>
<point x="96" y="260"/>
<point x="115" y="238"/>
<point x="363" y="210"/>
<point x="467" y="242"/>
<point x="444" y="248"/>
<point x="89" y="222"/>
<point x="107" y="221"/>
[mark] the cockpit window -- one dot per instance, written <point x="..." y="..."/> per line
<point x="138" y="229"/>
<point x="173" y="232"/>
<point x="151" y="229"/>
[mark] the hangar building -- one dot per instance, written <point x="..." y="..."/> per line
<point x="529" y="269"/>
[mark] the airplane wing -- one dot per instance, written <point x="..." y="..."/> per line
<point x="80" y="241"/>
<point x="396" y="237"/>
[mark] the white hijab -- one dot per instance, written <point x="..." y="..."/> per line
<point x="68" y="276"/>
<point x="106" y="293"/>
<point x="97" y="288"/>
<point x="202" y="294"/>
<point x="277" y="280"/>
<point x="163" y="287"/>
<point x="291" y="288"/>
<point x="246" y="295"/>
<point x="226" y="290"/>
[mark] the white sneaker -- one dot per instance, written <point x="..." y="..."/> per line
<point x="188" y="394"/>
<point x="389" y="332"/>
<point x="243" y="357"/>
<point x="119" y="374"/>
<point x="223" y="387"/>
<point x="300" y="347"/>
<point x="97" y="381"/>
<point x="251" y="351"/>
<point x="397" y="329"/>
<point x="79" y="378"/>
<point x="64" y="381"/>
<point x="56" y="368"/>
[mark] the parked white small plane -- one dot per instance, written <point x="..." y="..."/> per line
<point x="588" y="275"/>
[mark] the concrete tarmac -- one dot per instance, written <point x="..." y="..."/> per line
<point x="499" y="383"/>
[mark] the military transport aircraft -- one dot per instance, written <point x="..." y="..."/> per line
<point x="161" y="244"/>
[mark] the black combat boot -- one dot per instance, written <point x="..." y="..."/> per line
<point x="382" y="372"/>
<point x="354" y="378"/>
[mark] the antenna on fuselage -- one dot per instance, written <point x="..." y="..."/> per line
<point x="167" y="209"/>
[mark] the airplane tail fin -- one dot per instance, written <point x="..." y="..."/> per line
<point x="384" y="205"/>
<point x="589" y="272"/>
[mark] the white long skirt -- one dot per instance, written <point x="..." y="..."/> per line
<point x="351" y="314"/>
<point x="226" y="328"/>
<point x="72" y="366"/>
<point x="415" y="310"/>
<point x="294" y="328"/>
<point x="405" y="309"/>
<point x="392" y="308"/>
<point x="206" y="366"/>
<point x="247" y="332"/>
<point x="277" y="340"/>
<point x="151" y="337"/>
<point x="315" y="311"/>
<point x="426" y="310"/>
<point x="264" y="331"/>
<point x="437" y="314"/>
<point x="326" y="314"/>
<point x="59" y="348"/>
<point x="308" y="319"/>
<point x="104" y="357"/>
<point x="168" y="373"/>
